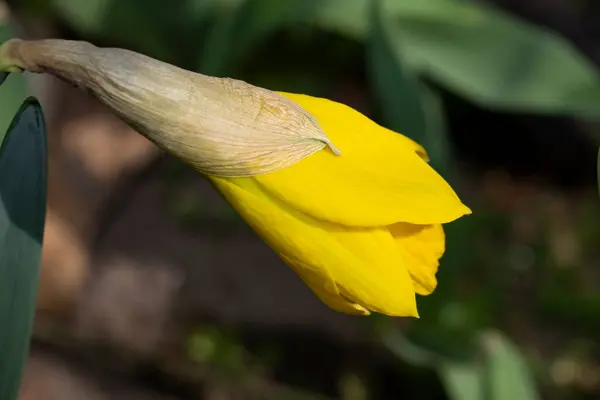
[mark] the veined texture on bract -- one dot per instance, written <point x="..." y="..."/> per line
<point x="221" y="126"/>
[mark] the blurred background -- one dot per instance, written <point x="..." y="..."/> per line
<point x="152" y="288"/>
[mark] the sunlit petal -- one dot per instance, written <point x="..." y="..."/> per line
<point x="421" y="246"/>
<point x="379" y="178"/>
<point x="360" y="268"/>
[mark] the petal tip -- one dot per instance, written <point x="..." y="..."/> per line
<point x="400" y="310"/>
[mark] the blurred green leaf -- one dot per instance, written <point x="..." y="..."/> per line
<point x="220" y="41"/>
<point x="169" y="32"/>
<point x="479" y="52"/>
<point x="399" y="345"/>
<point x="493" y="58"/>
<point x="86" y="16"/>
<point x="507" y="374"/>
<point x="496" y="371"/>
<point x="22" y="214"/>
<point x="238" y="31"/>
<point x="499" y="374"/>
<point x="13" y="90"/>
<point x="396" y="88"/>
<point x="346" y="17"/>
<point x="463" y="381"/>
<point x="133" y="22"/>
<point x="408" y="106"/>
<point x="262" y="17"/>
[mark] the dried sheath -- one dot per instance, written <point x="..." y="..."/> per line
<point x="223" y="127"/>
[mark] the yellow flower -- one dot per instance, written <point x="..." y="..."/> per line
<point x="352" y="207"/>
<point x="362" y="229"/>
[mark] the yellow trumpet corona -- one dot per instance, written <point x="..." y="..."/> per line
<point x="352" y="207"/>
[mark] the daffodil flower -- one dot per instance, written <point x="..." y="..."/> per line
<point x="352" y="207"/>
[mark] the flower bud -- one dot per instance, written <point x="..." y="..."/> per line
<point x="222" y="127"/>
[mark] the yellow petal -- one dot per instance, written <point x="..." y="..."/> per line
<point x="379" y="178"/>
<point x="421" y="246"/>
<point x="314" y="279"/>
<point x="408" y="142"/>
<point x="351" y="269"/>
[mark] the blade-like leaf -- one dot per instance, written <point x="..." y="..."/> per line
<point x="408" y="106"/>
<point x="114" y="20"/>
<point x="463" y="381"/>
<point x="165" y="32"/>
<point x="238" y="31"/>
<point x="22" y="214"/>
<point x="508" y="376"/>
<point x="493" y="58"/>
<point x="500" y="374"/>
<point x="13" y="90"/>
<point x="480" y="52"/>
<point x="497" y="371"/>
<point x="347" y="17"/>
<point x="396" y="88"/>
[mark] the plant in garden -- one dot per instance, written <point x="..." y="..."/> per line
<point x="454" y="44"/>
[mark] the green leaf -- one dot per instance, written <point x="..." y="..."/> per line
<point x="215" y="59"/>
<point x="346" y="17"/>
<point x="499" y="374"/>
<point x="168" y="33"/>
<point x="493" y="58"/>
<point x="403" y="348"/>
<point x="13" y="91"/>
<point x="408" y="106"/>
<point x="22" y="215"/>
<point x="481" y="53"/>
<point x="236" y="33"/>
<point x="263" y="17"/>
<point x="396" y="88"/>
<point x="134" y="23"/>
<point x="463" y="381"/>
<point x="496" y="371"/>
<point x="508" y="376"/>
<point x="85" y="16"/>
